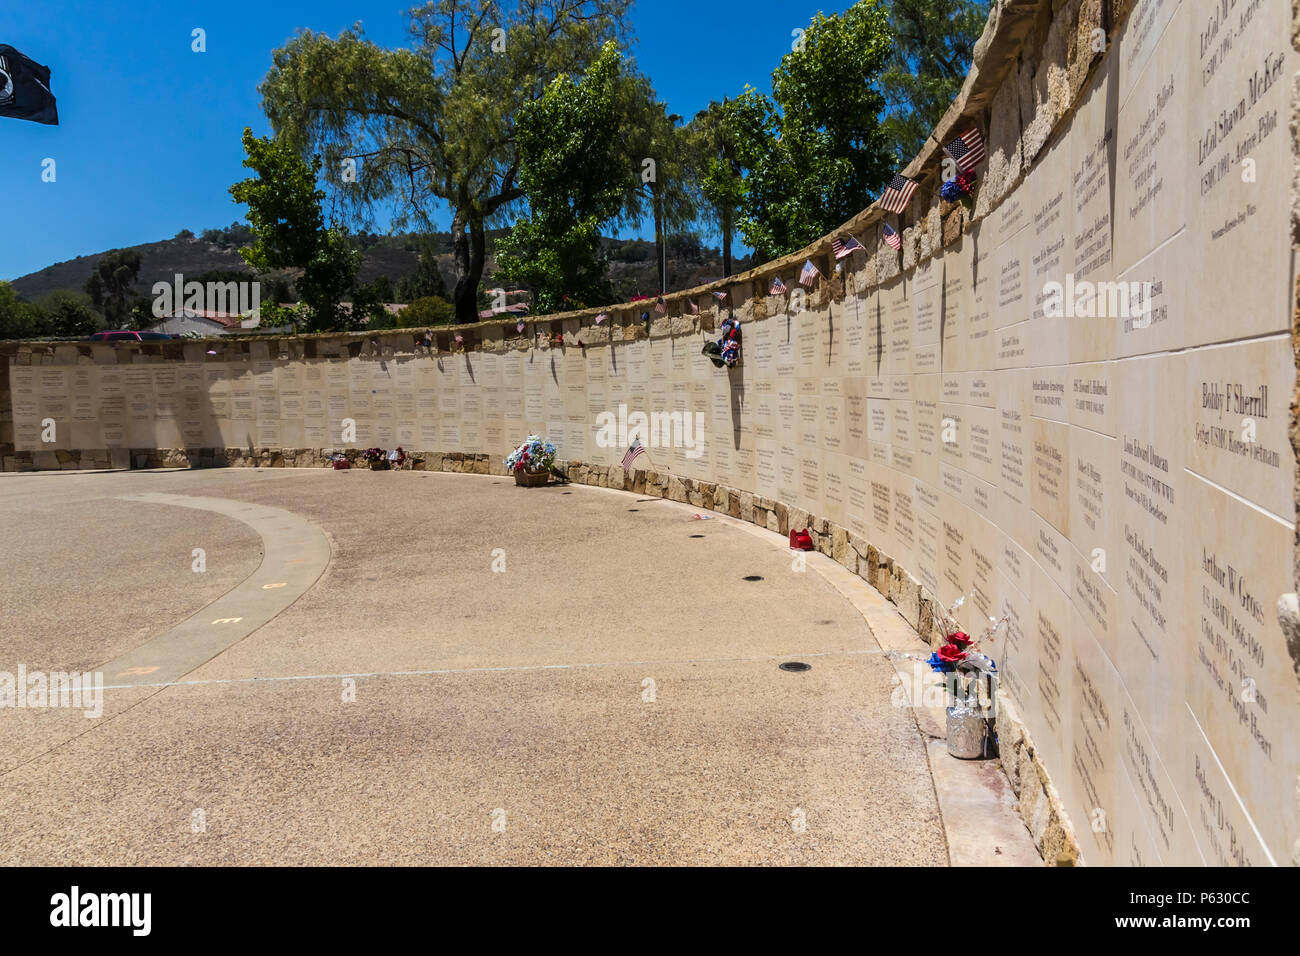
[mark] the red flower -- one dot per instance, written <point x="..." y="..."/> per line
<point x="961" y="638"/>
<point x="951" y="654"/>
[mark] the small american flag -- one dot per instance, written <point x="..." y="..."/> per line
<point x="778" y="287"/>
<point x="810" y="274"/>
<point x="695" y="307"/>
<point x="720" y="296"/>
<point x="898" y="194"/>
<point x="893" y="238"/>
<point x="967" y="150"/>
<point x="601" y="318"/>
<point x="635" y="451"/>
<point x="460" y="339"/>
<point x="844" y="247"/>
<point x="519" y="327"/>
<point x="660" y="306"/>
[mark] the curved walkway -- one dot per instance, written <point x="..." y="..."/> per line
<point x="481" y="674"/>
<point x="295" y="553"/>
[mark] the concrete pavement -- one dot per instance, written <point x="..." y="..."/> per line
<point x="609" y="694"/>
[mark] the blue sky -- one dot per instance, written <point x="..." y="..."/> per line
<point x="149" y="136"/>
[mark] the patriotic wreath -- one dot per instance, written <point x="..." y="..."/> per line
<point x="725" y="351"/>
<point x="958" y="189"/>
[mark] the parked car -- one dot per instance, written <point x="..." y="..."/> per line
<point x="127" y="335"/>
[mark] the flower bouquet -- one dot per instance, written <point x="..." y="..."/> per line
<point x="959" y="190"/>
<point x="726" y="351"/>
<point x="375" y="458"/>
<point x="531" y="462"/>
<point x="970" y="680"/>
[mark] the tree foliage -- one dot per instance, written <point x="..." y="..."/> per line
<point x="110" y="285"/>
<point x="814" y="152"/>
<point x="934" y="42"/>
<point x="663" y="188"/>
<point x="18" y="319"/>
<point x="575" y="177"/>
<point x="426" y="312"/>
<point x="59" y="314"/>
<point x="289" y="231"/>
<point x="717" y="171"/>
<point x="69" y="314"/>
<point x="427" y="279"/>
<point x="231" y="237"/>
<point x="434" y="123"/>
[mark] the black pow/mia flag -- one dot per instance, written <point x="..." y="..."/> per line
<point x="25" y="88"/>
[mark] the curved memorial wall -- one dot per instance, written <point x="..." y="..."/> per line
<point x="1070" y="402"/>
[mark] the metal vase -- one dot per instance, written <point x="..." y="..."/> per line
<point x="968" y="732"/>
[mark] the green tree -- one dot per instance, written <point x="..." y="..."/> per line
<point x="718" y="173"/>
<point x="234" y="235"/>
<point x="276" y="289"/>
<point x="814" y="153"/>
<point x="109" y="285"/>
<point x="425" y="313"/>
<point x="663" y="187"/>
<point x="435" y="123"/>
<point x="69" y="313"/>
<point x="427" y="279"/>
<point x="288" y="226"/>
<point x="934" y="42"/>
<point x="18" y="319"/>
<point x="368" y="303"/>
<point x="574" y="175"/>
<point x="383" y="287"/>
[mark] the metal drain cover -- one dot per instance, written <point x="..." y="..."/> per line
<point x="795" y="667"/>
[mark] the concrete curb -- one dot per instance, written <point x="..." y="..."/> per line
<point x="295" y="553"/>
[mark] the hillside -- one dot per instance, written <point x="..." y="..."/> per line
<point x="159" y="260"/>
<point x="632" y="263"/>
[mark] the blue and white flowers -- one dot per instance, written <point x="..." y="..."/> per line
<point x="535" y="455"/>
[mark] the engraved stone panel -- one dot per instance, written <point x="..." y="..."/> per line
<point x="983" y="284"/>
<point x="1241" y="681"/>
<point x="898" y="321"/>
<point x="1094" y="751"/>
<point x="1050" y="476"/>
<point x="1237" y="399"/>
<point x="1152" y="169"/>
<point x="1051" y="258"/>
<point x="1151" y="651"/>
<point x="1092" y="147"/>
<point x="1225" y="833"/>
<point x="1090" y="404"/>
<point x="956" y="305"/>
<point x="1238" y="225"/>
